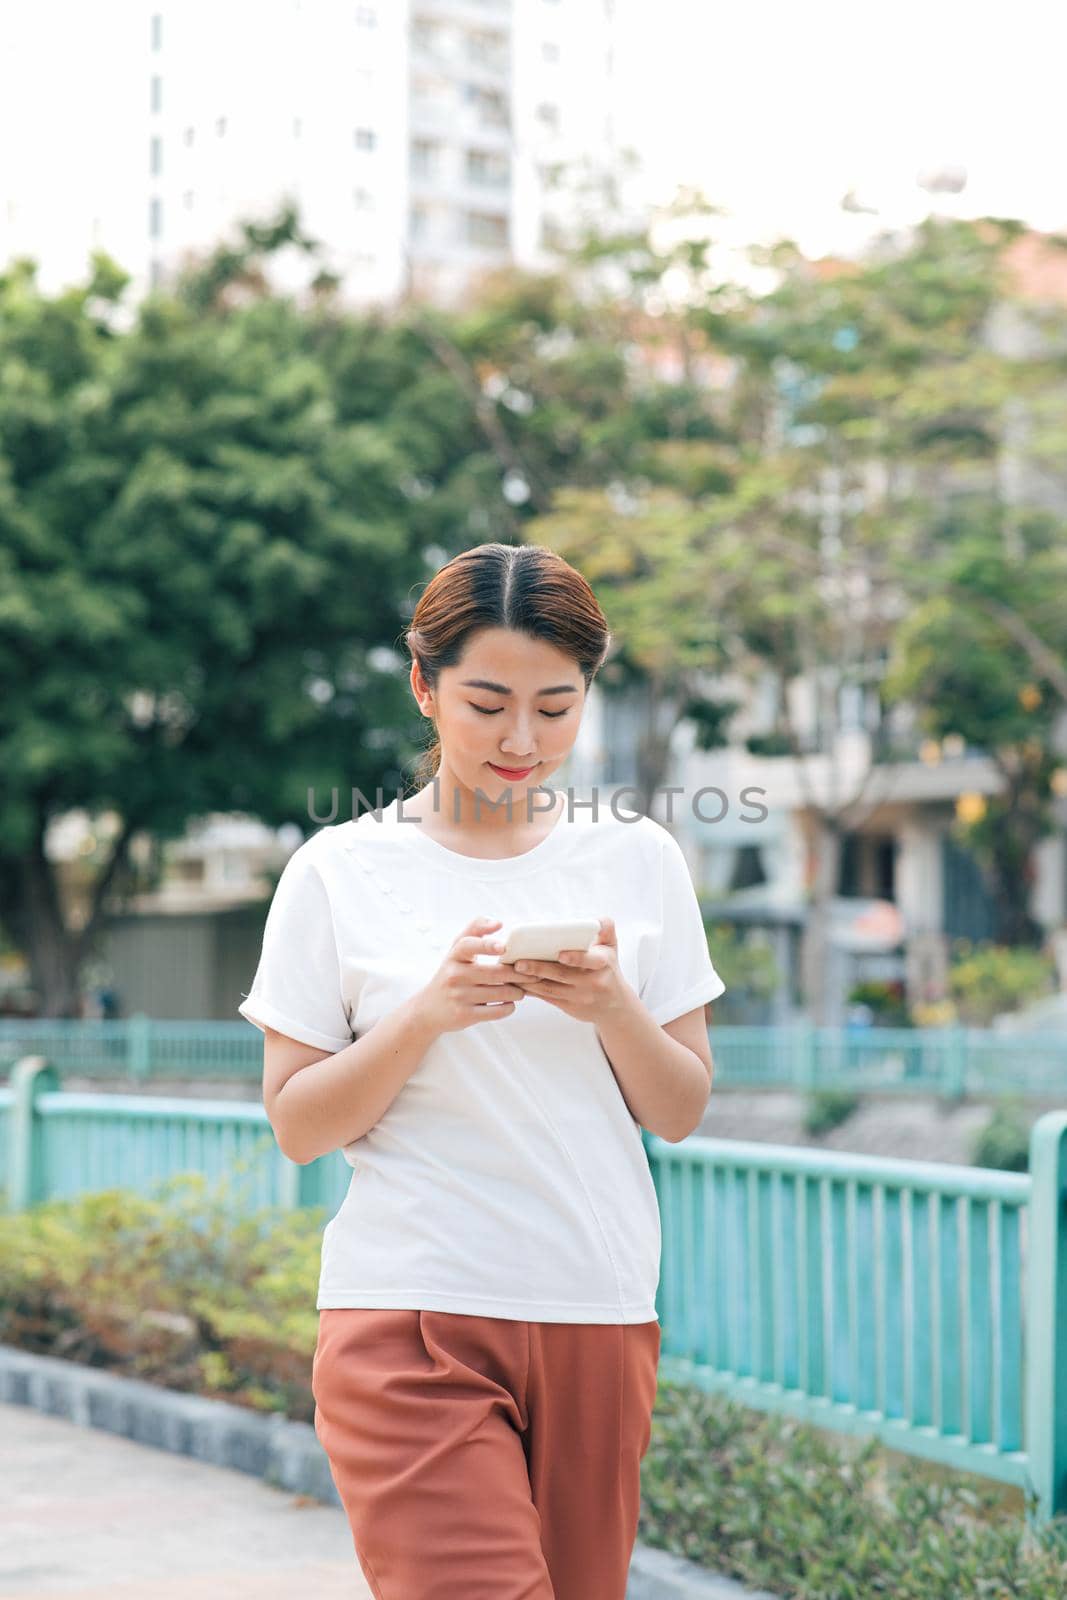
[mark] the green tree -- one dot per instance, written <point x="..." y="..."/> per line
<point x="954" y="661"/>
<point x="200" y="559"/>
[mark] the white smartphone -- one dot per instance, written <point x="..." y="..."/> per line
<point x="543" y="941"/>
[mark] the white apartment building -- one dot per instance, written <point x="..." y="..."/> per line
<point x="417" y="137"/>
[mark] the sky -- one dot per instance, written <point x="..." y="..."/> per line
<point x="778" y="109"/>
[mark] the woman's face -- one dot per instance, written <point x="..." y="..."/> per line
<point x="511" y="702"/>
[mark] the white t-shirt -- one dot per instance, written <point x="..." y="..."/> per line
<point x="507" y="1178"/>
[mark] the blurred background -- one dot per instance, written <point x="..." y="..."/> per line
<point x="758" y="316"/>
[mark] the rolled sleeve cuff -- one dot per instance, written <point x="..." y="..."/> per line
<point x="262" y="1016"/>
<point x="700" y="994"/>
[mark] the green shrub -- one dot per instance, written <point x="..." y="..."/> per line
<point x="185" y="1289"/>
<point x="986" y="979"/>
<point x="828" y="1108"/>
<point x="1004" y="1142"/>
<point x="744" y="959"/>
<point x="886" y="998"/>
<point x="783" y="1506"/>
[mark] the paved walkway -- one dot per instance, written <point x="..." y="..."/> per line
<point x="89" y="1515"/>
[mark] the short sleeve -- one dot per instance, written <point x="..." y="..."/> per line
<point x="682" y="976"/>
<point x="297" y="985"/>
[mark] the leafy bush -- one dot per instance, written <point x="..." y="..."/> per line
<point x="744" y="960"/>
<point x="828" y="1108"/>
<point x="1004" y="1142"/>
<point x="987" y="979"/>
<point x="182" y="1289"/>
<point x="886" y="998"/>
<point x="934" y="1014"/>
<point x="781" y="1505"/>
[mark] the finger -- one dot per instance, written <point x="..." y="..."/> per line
<point x="546" y="984"/>
<point x="531" y="969"/>
<point x="471" y="945"/>
<point x="538" y="969"/>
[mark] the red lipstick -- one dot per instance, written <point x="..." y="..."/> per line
<point x="510" y="772"/>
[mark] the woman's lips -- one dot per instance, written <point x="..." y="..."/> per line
<point x="511" y="772"/>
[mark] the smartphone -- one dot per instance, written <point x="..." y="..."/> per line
<point x="543" y="941"/>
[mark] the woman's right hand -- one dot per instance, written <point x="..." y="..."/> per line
<point x="463" y="991"/>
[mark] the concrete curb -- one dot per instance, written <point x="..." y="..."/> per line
<point x="283" y="1453"/>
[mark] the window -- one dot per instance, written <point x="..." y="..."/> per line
<point x="155" y="272"/>
<point x="187" y="199"/>
<point x="189" y="135"/>
<point x="548" y="114"/>
<point x="220" y="126"/>
<point x="157" y="31"/>
<point x="156" y="92"/>
<point x="426" y="36"/>
<point x="425" y="158"/>
<point x="155" y="217"/>
<point x="298" y="127"/>
<point x="420" y="222"/>
<point x="155" y="155"/>
<point x="433" y="93"/>
<point x="487" y="49"/>
<point x="366" y="139"/>
<point x="363" y="199"/>
<point x="487" y="167"/>
<point x="490" y="104"/>
<point x="550" y="51"/>
<point x="486" y="229"/>
<point x="366" y="17"/>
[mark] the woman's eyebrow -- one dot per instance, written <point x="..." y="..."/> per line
<point x="501" y="688"/>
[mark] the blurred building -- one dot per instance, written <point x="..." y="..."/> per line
<point x="420" y="139"/>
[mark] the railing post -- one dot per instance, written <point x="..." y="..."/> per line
<point x="299" y="1183"/>
<point x="954" y="1081"/>
<point x="139" y="1046"/>
<point x="804" y="1057"/>
<point x="31" y="1076"/>
<point x="1046" y="1316"/>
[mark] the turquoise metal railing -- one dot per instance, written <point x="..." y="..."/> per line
<point x="949" y="1062"/>
<point x="876" y="1296"/>
<point x="61" y="1143"/>
<point x="926" y="1304"/>
<point x="136" y="1047"/>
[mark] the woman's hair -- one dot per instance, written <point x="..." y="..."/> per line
<point x="523" y="587"/>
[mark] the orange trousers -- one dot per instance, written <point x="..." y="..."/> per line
<point x="483" y="1458"/>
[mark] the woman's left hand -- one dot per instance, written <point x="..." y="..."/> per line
<point x="586" y="984"/>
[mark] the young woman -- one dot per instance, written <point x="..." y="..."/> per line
<point x="488" y="1343"/>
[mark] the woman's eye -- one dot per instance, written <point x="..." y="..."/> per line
<point x="487" y="712"/>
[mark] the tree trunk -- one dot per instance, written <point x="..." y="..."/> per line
<point x="814" y="966"/>
<point x="33" y="914"/>
<point x="34" y="919"/>
<point x="1011" y="873"/>
<point x="654" y="747"/>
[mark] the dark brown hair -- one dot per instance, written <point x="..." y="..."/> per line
<point x="524" y="587"/>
